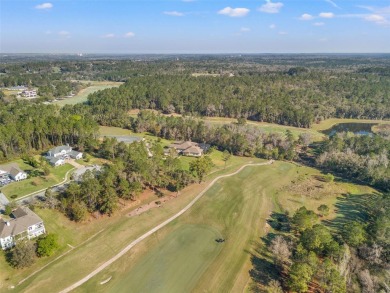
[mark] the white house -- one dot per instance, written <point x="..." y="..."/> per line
<point x="60" y="151"/>
<point x="76" y="155"/>
<point x="16" y="174"/>
<point x="56" y="161"/>
<point x="29" y="93"/>
<point x="56" y="156"/>
<point x="24" y="224"/>
<point x="13" y="171"/>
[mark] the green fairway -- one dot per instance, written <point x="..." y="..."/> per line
<point x="329" y="123"/>
<point x="235" y="208"/>
<point x="172" y="259"/>
<point x="83" y="94"/>
<point x="269" y="127"/>
<point x="175" y="264"/>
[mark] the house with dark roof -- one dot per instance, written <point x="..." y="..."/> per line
<point x="23" y="224"/>
<point x="56" y="161"/>
<point x="16" y="174"/>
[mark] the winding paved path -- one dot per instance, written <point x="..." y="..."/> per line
<point x="155" y="229"/>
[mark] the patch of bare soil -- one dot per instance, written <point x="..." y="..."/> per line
<point x="151" y="205"/>
<point x="313" y="187"/>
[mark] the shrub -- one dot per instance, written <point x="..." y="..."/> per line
<point x="47" y="245"/>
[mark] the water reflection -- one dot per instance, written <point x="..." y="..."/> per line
<point x="356" y="128"/>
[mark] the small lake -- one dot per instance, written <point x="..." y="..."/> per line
<point x="356" y="128"/>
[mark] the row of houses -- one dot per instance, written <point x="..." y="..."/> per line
<point x="23" y="224"/>
<point x="24" y="91"/>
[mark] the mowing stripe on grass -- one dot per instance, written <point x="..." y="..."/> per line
<point x="158" y="227"/>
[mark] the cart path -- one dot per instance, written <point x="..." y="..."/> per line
<point x="155" y="229"/>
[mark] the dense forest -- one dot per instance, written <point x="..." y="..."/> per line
<point x="283" y="98"/>
<point x="27" y="128"/>
<point x="364" y="158"/>
<point x="330" y="256"/>
<point x="286" y="89"/>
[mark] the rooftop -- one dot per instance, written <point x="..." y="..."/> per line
<point x="23" y="218"/>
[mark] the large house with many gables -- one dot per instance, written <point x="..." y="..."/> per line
<point x="23" y="224"/>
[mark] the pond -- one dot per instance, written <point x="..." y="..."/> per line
<point x="356" y="128"/>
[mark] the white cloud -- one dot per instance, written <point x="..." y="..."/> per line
<point x="47" y="32"/>
<point x="234" y="12"/>
<point x="173" y="13"/>
<point x="108" y="36"/>
<point x="323" y="40"/>
<point x="46" y="5"/>
<point x="332" y="3"/>
<point x="271" y="7"/>
<point x="129" y="35"/>
<point x="306" y="16"/>
<point x="272" y="26"/>
<point x="282" y="33"/>
<point x="318" y="24"/>
<point x="64" y="33"/>
<point x="245" y="29"/>
<point x="377" y="10"/>
<point x="326" y="15"/>
<point x="378" y="19"/>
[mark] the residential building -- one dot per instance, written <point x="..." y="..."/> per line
<point x="16" y="174"/>
<point x="13" y="171"/>
<point x="56" y="156"/>
<point x="23" y="224"/>
<point x="29" y="93"/>
<point x="189" y="148"/>
<point x="60" y="151"/>
<point x="56" y="161"/>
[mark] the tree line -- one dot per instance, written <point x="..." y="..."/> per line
<point x="26" y="128"/>
<point x="297" y="99"/>
<point x="307" y="255"/>
<point x="130" y="171"/>
<point x="365" y="158"/>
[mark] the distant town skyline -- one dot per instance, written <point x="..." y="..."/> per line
<point x="194" y="26"/>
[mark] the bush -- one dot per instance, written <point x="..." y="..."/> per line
<point x="328" y="178"/>
<point x="47" y="245"/>
<point x="23" y="255"/>
<point x="14" y="196"/>
<point x="323" y="209"/>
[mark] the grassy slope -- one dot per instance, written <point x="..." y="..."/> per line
<point x="118" y="231"/>
<point x="236" y="207"/>
<point x="83" y="94"/>
<point x="33" y="184"/>
<point x="326" y="124"/>
<point x="268" y="127"/>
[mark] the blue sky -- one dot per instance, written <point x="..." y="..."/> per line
<point x="194" y="26"/>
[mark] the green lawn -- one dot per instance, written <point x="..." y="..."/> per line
<point x="269" y="127"/>
<point x="33" y="184"/>
<point x="83" y="94"/>
<point x="181" y="257"/>
<point x="176" y="264"/>
<point x="328" y="123"/>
